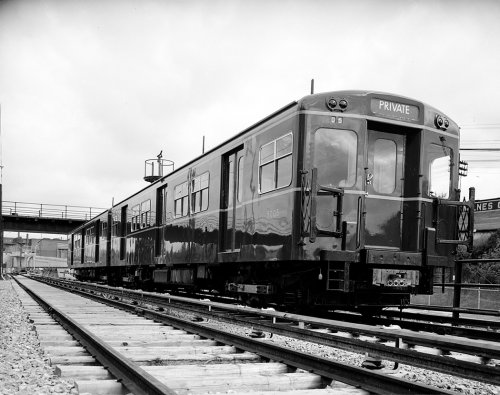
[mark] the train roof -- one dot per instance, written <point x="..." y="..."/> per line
<point x="361" y="102"/>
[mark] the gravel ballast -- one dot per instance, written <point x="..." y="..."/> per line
<point x="24" y="368"/>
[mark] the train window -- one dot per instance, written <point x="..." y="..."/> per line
<point x="145" y="213"/>
<point x="135" y="218"/>
<point x="104" y="230"/>
<point x="384" y="166"/>
<point x="275" y="164"/>
<point x="239" y="196"/>
<point x="439" y="171"/>
<point x="335" y="153"/>
<point x="115" y="223"/>
<point x="181" y="200"/>
<point x="77" y="242"/>
<point x="89" y="236"/>
<point x="164" y="208"/>
<point x="199" y="192"/>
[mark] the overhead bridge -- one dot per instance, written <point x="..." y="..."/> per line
<point x="45" y="218"/>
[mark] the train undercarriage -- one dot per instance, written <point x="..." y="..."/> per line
<point x="292" y="285"/>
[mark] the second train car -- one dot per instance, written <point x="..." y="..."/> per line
<point x="347" y="198"/>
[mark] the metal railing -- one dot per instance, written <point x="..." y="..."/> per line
<point x="50" y="210"/>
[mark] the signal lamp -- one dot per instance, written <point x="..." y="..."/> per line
<point x="441" y="122"/>
<point x="463" y="167"/>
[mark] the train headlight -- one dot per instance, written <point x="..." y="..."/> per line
<point x="343" y="104"/>
<point x="331" y="103"/>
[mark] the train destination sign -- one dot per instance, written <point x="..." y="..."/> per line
<point x="394" y="110"/>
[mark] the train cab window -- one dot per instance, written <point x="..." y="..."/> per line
<point x="181" y="200"/>
<point x="275" y="164"/>
<point x="439" y="171"/>
<point x="145" y="213"/>
<point x="335" y="153"/>
<point x="199" y="192"/>
<point x="384" y="166"/>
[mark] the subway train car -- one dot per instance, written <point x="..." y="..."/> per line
<point x="347" y="198"/>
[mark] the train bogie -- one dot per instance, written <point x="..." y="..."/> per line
<point x="346" y="198"/>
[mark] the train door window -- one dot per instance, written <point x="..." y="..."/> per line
<point x="199" y="192"/>
<point x="164" y="209"/>
<point x="384" y="166"/>
<point x="145" y="213"/>
<point x="335" y="155"/>
<point x="275" y="164"/>
<point x="181" y="200"/>
<point x="240" y="179"/>
<point x="104" y="230"/>
<point x="230" y="210"/>
<point x="440" y="159"/>
<point x="72" y="249"/>
<point x="135" y="218"/>
<point x="115" y="223"/>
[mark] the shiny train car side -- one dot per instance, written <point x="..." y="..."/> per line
<point x="343" y="198"/>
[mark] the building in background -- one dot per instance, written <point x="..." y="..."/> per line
<point x="33" y="254"/>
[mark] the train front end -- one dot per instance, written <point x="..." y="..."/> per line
<point x="379" y="199"/>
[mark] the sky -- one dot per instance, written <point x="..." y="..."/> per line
<point x="91" y="89"/>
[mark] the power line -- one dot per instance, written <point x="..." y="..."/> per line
<point x="481" y="126"/>
<point x="479" y="149"/>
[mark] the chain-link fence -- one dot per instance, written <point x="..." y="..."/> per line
<point x="472" y="298"/>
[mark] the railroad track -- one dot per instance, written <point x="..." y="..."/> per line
<point x="170" y="355"/>
<point x="464" y="357"/>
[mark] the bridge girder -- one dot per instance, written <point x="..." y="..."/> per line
<point x="19" y="223"/>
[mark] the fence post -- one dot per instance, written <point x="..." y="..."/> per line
<point x="457" y="289"/>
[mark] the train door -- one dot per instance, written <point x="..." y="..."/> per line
<point x="161" y="215"/>
<point x="384" y="187"/>
<point x="231" y="192"/>
<point x="123" y="233"/>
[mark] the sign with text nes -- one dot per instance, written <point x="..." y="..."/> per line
<point x="394" y="110"/>
<point x="488" y="205"/>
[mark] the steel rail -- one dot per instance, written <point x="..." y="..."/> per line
<point x="367" y="379"/>
<point x="136" y="379"/>
<point x="463" y="310"/>
<point x="442" y="319"/>
<point x="460" y="331"/>
<point x="265" y="322"/>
